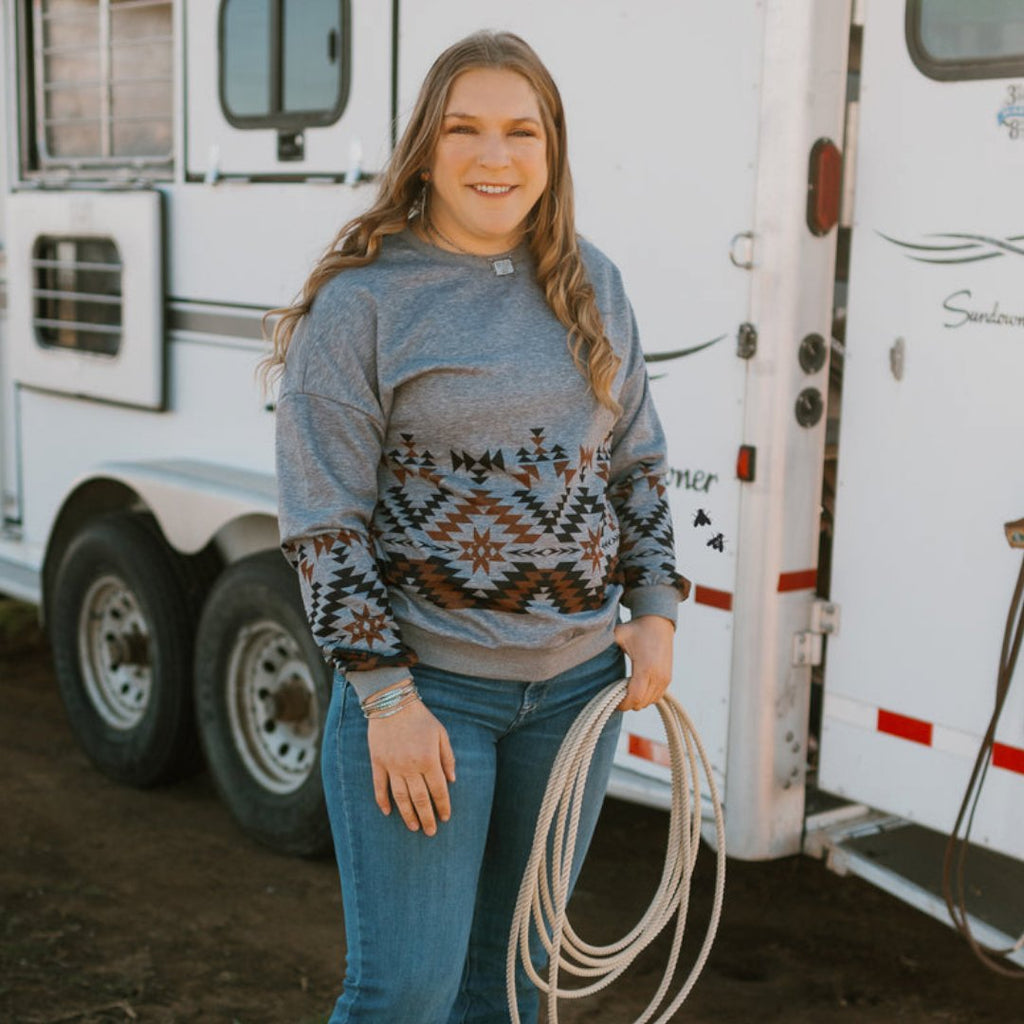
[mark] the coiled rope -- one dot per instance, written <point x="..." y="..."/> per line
<point x="545" y="886"/>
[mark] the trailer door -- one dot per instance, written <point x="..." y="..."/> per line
<point x="932" y="420"/>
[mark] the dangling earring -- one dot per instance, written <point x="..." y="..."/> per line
<point x="419" y="207"/>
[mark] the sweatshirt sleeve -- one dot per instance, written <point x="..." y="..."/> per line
<point x="331" y="419"/>
<point x="637" y="492"/>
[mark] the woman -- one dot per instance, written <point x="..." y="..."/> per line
<point x="471" y="482"/>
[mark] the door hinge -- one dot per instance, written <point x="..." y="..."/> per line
<point x="825" y="617"/>
<point x="808" y="646"/>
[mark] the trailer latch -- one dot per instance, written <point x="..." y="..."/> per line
<point x="291" y="145"/>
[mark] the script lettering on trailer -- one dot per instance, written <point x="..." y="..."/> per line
<point x="950" y="247"/>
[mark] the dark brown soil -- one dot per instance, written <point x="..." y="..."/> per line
<point x="118" y="905"/>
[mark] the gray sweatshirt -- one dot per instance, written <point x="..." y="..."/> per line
<point x="450" y="490"/>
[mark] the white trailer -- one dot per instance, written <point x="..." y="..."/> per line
<point x="807" y="198"/>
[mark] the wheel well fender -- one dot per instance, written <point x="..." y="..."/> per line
<point x="207" y="515"/>
<point x="92" y="498"/>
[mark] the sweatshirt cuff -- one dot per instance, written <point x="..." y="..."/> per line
<point x="661" y="599"/>
<point x="370" y="681"/>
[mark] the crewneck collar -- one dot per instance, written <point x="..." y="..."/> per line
<point x="519" y="257"/>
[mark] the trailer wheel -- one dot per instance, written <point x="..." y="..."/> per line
<point x="121" y="632"/>
<point x="262" y="691"/>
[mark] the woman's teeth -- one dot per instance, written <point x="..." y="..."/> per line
<point x="493" y="190"/>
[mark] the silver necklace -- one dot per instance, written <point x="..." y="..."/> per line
<point x="501" y="264"/>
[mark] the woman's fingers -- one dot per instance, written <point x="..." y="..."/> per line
<point x="437" y="786"/>
<point x="422" y="800"/>
<point x="643" y="690"/>
<point x="403" y="801"/>
<point x="380" y="787"/>
<point x="447" y="757"/>
<point x="636" y="695"/>
<point x="423" y="806"/>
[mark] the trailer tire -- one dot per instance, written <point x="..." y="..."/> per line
<point x="121" y="630"/>
<point x="262" y="690"/>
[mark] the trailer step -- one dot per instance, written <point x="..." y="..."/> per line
<point x="906" y="860"/>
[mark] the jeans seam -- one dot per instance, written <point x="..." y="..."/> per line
<point x="349" y="852"/>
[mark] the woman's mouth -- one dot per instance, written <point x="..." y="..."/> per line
<point x="492" y="190"/>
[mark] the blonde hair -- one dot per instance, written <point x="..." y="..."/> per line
<point x="550" y="226"/>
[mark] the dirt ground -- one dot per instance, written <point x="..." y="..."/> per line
<point x="118" y="905"/>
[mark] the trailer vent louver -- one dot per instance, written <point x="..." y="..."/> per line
<point x="76" y="294"/>
<point x="103" y="94"/>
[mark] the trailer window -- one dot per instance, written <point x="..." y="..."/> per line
<point x="951" y="39"/>
<point x="76" y="294"/>
<point x="284" y="63"/>
<point x="103" y="82"/>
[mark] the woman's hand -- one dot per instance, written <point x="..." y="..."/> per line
<point x="647" y="641"/>
<point x="412" y="758"/>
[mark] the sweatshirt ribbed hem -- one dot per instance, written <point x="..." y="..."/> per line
<point x="516" y="664"/>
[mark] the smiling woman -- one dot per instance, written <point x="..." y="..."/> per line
<point x="472" y="482"/>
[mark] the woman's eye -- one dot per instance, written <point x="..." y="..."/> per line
<point x="460" y="129"/>
<point x="525" y="133"/>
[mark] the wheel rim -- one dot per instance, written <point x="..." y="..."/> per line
<point x="272" y="704"/>
<point x="114" y="652"/>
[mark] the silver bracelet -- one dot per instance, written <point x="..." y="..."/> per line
<point x="387" y="700"/>
<point x="410" y="699"/>
<point x="386" y="697"/>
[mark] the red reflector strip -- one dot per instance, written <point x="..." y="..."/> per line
<point x="714" y="598"/>
<point x="905" y="727"/>
<point x="650" y="750"/>
<point x="1010" y="758"/>
<point x="805" y="580"/>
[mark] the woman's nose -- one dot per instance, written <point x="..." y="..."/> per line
<point x="494" y="151"/>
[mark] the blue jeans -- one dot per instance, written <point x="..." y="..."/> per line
<point x="427" y="919"/>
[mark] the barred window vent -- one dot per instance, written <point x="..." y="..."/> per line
<point x="77" y="294"/>
<point x="104" y="82"/>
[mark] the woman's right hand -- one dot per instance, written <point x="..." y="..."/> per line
<point x="412" y="763"/>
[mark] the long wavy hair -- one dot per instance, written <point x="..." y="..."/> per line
<point x="550" y="225"/>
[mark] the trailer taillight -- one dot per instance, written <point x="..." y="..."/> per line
<point x="746" y="463"/>
<point x="824" y="186"/>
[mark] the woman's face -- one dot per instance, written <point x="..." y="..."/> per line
<point x="490" y="165"/>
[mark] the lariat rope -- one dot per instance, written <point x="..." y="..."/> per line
<point x="545" y="886"/>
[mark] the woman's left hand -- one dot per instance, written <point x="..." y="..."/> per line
<point x="647" y="641"/>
